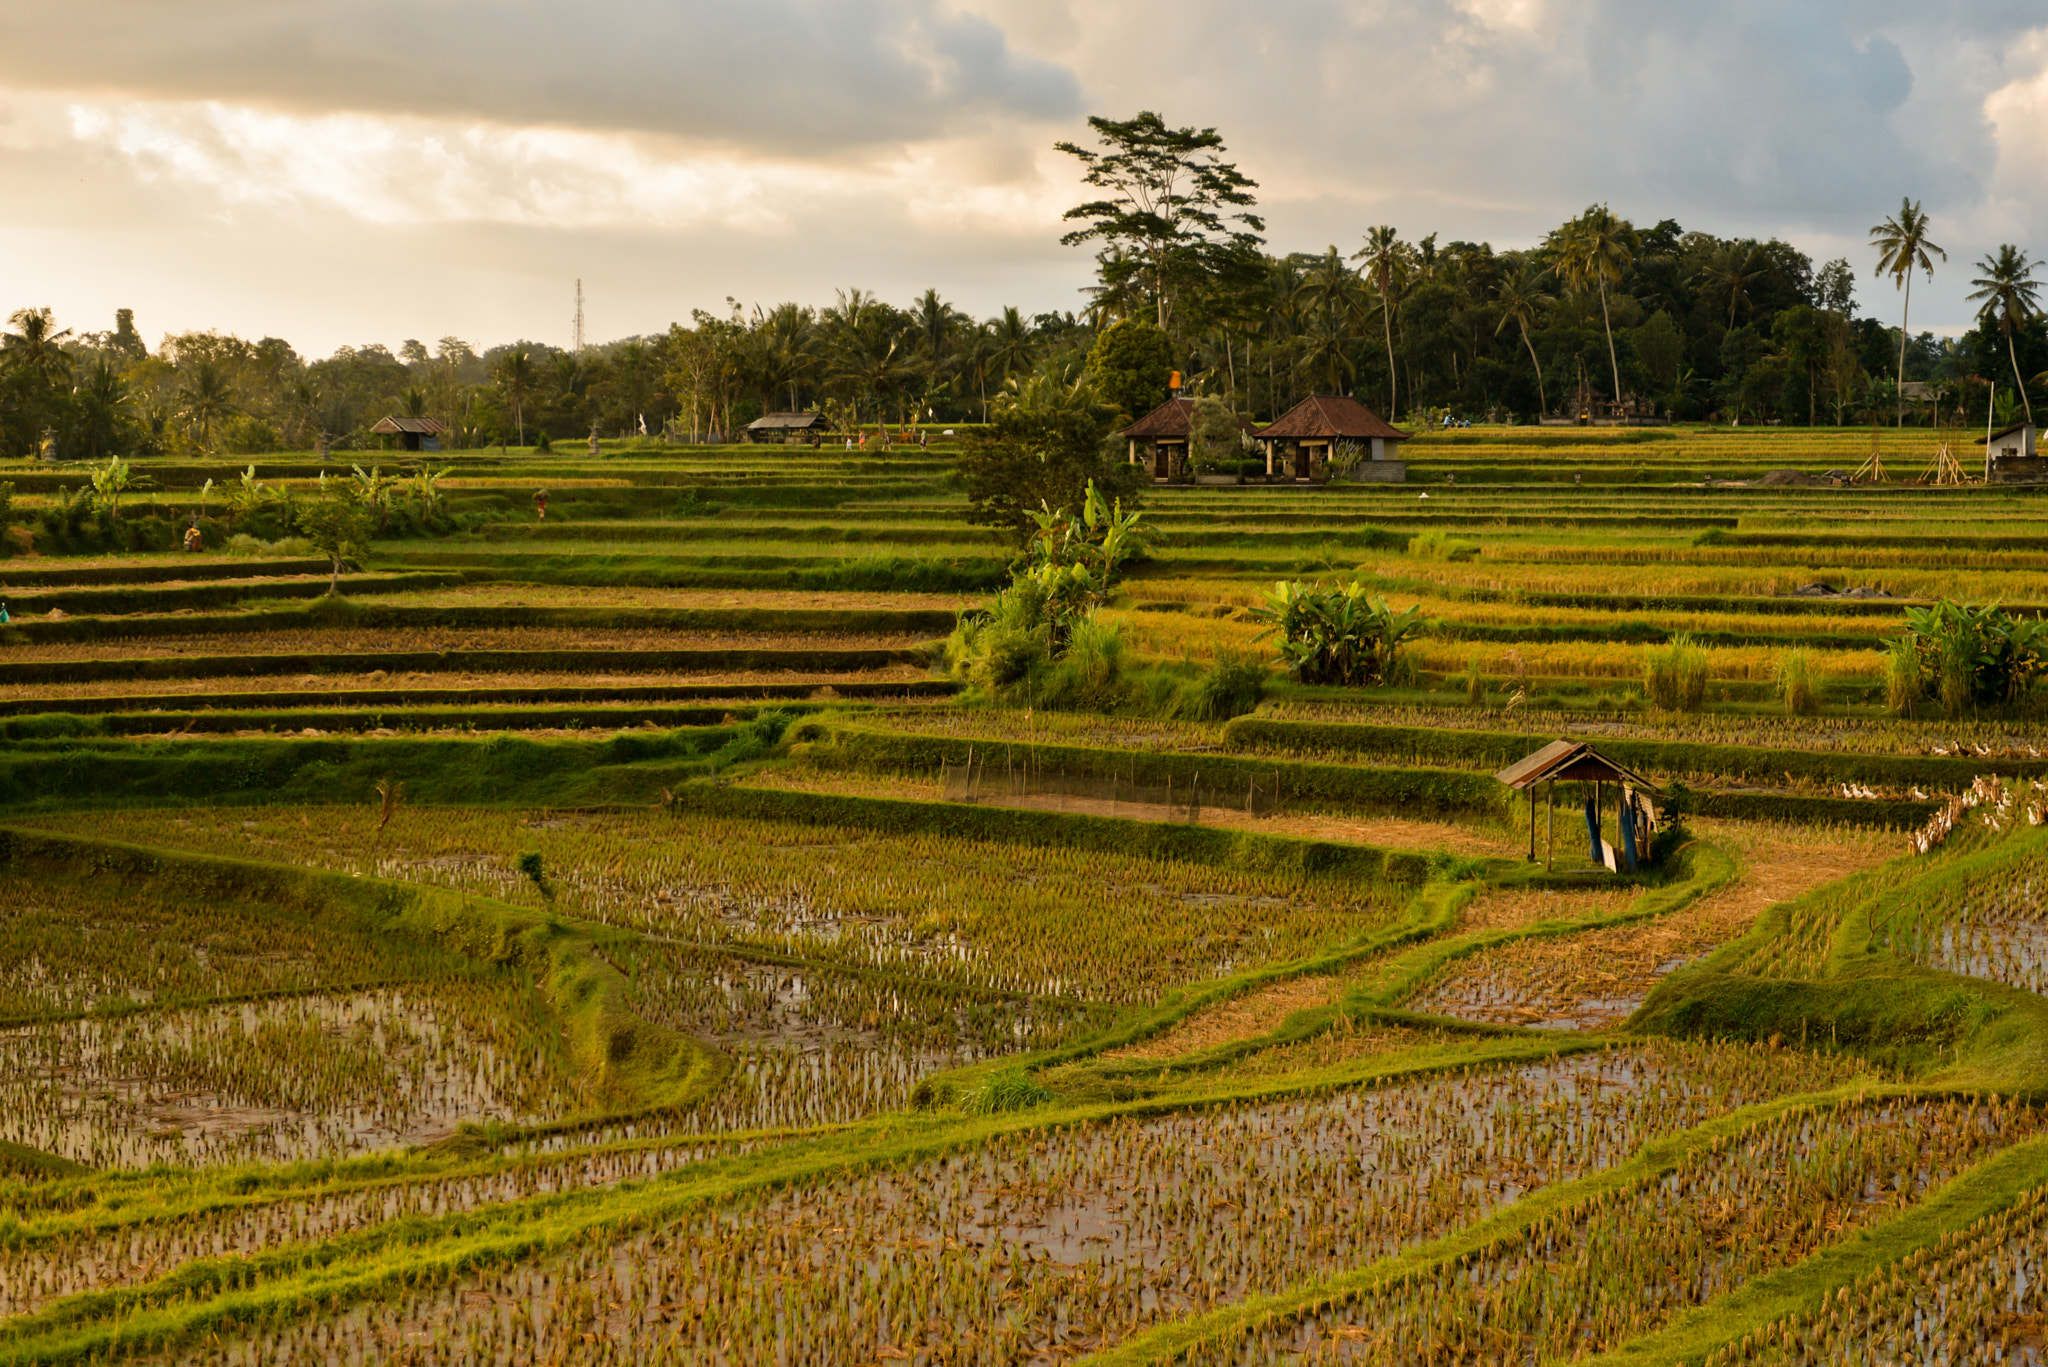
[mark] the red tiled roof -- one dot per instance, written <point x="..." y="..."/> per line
<point x="1174" y="418"/>
<point x="1329" y="416"/>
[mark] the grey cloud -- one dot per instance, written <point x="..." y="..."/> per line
<point x="784" y="75"/>
<point x="1806" y="119"/>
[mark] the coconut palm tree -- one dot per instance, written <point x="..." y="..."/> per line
<point x="1010" y="344"/>
<point x="206" y="402"/>
<point x="1730" y="272"/>
<point x="518" y="377"/>
<point x="1385" y="256"/>
<point x="1902" y="245"/>
<point x="1593" y="249"/>
<point x="1328" y="294"/>
<point x="2010" y="296"/>
<point x="1520" y="298"/>
<point x="103" y="410"/>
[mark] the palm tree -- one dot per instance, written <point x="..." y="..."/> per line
<point x="873" y="359"/>
<point x="1592" y="250"/>
<point x="1902" y="244"/>
<point x="517" y="378"/>
<point x="1328" y="293"/>
<point x="1731" y="271"/>
<point x="1520" y="298"/>
<point x="2011" y="296"/>
<point x="206" y="401"/>
<point x="103" y="406"/>
<point x="37" y="347"/>
<point x="1384" y="255"/>
<point x="789" y="341"/>
<point x="1010" y="344"/>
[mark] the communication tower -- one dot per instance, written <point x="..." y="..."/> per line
<point x="579" y="317"/>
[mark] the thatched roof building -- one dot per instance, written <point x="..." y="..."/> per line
<point x="414" y="434"/>
<point x="787" y="428"/>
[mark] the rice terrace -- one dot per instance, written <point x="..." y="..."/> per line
<point x="864" y="836"/>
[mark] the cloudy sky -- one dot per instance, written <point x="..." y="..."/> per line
<point x="349" y="171"/>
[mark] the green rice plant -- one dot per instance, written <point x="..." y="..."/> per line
<point x="1902" y="687"/>
<point x="1675" y="675"/>
<point x="1437" y="544"/>
<point x="1475" y="683"/>
<point x="1799" y="685"/>
<point x="1012" y="1089"/>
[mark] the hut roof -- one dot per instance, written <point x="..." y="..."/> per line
<point x="1175" y="418"/>
<point x="2020" y="426"/>
<point x="425" y="427"/>
<point x="1332" y="416"/>
<point x="1573" y="760"/>
<point x="783" y="422"/>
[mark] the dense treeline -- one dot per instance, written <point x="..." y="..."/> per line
<point x="1602" y="316"/>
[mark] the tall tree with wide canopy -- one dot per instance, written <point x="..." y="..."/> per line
<point x="1902" y="245"/>
<point x="1172" y="202"/>
<point x="1591" y="250"/>
<point x="2009" y="296"/>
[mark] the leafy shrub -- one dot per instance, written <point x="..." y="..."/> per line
<point x="1799" y="684"/>
<point x="1072" y="567"/>
<point x="1675" y="675"/>
<point x="1337" y="635"/>
<point x="752" y="740"/>
<point x="1965" y="657"/>
<point x="1440" y="545"/>
<point x="1228" y="688"/>
<point x="1213" y="438"/>
<point x="535" y="868"/>
<point x="1010" y="1090"/>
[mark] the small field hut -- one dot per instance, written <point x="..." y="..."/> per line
<point x="1308" y="441"/>
<point x="1635" y="808"/>
<point x="2011" y="456"/>
<point x="787" y="429"/>
<point x="414" y="434"/>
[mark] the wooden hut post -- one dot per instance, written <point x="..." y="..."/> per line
<point x="1532" y="826"/>
<point x="1550" y="846"/>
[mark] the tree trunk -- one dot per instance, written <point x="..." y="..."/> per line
<point x="1905" y="314"/>
<point x="1387" y="316"/>
<point x="2024" y="401"/>
<point x="1608" y="324"/>
<point x="1541" y="397"/>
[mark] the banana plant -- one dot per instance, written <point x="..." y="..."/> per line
<point x="247" y="495"/>
<point x="107" y="483"/>
<point x="425" y="488"/>
<point x="1341" y="635"/>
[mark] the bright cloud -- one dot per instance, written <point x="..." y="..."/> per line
<point x="343" y="169"/>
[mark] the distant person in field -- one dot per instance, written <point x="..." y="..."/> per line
<point x="192" y="538"/>
<point x="540" y="503"/>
